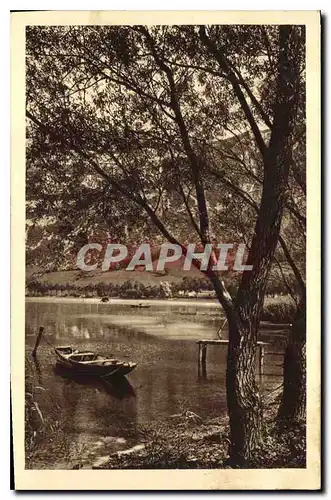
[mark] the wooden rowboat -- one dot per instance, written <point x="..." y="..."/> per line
<point x="140" y="306"/>
<point x="91" y="363"/>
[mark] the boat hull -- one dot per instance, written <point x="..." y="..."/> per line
<point x="89" y="370"/>
<point x="95" y="365"/>
<point x="125" y="369"/>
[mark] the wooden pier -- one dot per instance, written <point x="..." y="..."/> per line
<point x="202" y="353"/>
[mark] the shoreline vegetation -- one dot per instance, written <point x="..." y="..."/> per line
<point x="279" y="306"/>
<point x="184" y="440"/>
<point x="188" y="441"/>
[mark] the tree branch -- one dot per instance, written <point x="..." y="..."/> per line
<point x="293" y="265"/>
<point x="221" y="292"/>
<point x="243" y="195"/>
<point x="194" y="163"/>
<point x="194" y="224"/>
<point x="224" y="65"/>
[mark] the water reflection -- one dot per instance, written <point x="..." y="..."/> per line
<point x="161" y="339"/>
<point x="116" y="387"/>
<point x="202" y="371"/>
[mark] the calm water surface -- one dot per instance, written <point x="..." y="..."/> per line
<point x="161" y="339"/>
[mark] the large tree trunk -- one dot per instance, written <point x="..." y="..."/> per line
<point x="293" y="405"/>
<point x="243" y="397"/>
<point x="244" y="405"/>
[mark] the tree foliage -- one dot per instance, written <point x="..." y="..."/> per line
<point x="194" y="133"/>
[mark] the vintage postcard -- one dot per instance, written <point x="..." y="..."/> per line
<point x="166" y="250"/>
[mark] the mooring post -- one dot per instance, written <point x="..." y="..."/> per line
<point x="204" y="356"/>
<point x="40" y="333"/>
<point x="261" y="358"/>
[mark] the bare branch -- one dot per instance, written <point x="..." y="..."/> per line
<point x="224" y="65"/>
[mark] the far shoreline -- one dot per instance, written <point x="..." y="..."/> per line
<point x="203" y="303"/>
<point x="121" y="301"/>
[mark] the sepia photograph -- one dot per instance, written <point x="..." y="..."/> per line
<point x="165" y="263"/>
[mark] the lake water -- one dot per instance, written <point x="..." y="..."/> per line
<point x="98" y="418"/>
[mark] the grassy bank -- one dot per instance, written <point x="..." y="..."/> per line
<point x="190" y="442"/>
<point x="44" y="431"/>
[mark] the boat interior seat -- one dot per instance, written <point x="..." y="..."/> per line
<point x="100" y="361"/>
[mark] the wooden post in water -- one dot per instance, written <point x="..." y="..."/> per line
<point x="261" y="359"/>
<point x="202" y="352"/>
<point x="204" y="357"/>
<point x="38" y="339"/>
